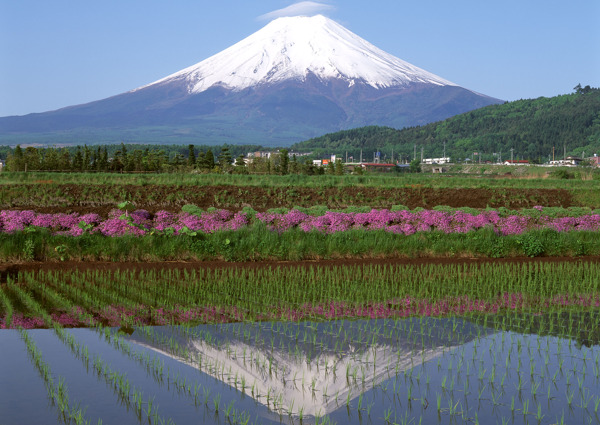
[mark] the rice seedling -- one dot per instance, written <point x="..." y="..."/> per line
<point x="289" y="326"/>
<point x="57" y="393"/>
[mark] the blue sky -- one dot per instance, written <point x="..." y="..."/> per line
<point x="59" y="53"/>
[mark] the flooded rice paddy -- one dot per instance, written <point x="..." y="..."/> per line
<point x="514" y="369"/>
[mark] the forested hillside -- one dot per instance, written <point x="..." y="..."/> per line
<point x="531" y="127"/>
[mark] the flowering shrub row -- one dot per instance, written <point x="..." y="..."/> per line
<point x="405" y="222"/>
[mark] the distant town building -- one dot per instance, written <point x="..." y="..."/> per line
<point x="444" y="160"/>
<point x="268" y="154"/>
<point x="516" y="162"/>
<point x="371" y="166"/>
<point x="259" y="154"/>
<point x="298" y="154"/>
<point x="571" y="161"/>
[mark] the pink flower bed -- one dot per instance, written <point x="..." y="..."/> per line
<point x="140" y="222"/>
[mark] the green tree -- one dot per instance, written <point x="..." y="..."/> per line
<point x="137" y="160"/>
<point x="284" y="161"/>
<point x="129" y="162"/>
<point x="225" y="159"/>
<point x="239" y="161"/>
<point x="78" y="160"/>
<point x="119" y="159"/>
<point x="50" y="160"/>
<point x="102" y="164"/>
<point x="32" y="158"/>
<point x="64" y="161"/>
<point x="191" y="156"/>
<point x="240" y="165"/>
<point x="200" y="160"/>
<point x="209" y="160"/>
<point x="331" y="168"/>
<point x="582" y="90"/>
<point x="156" y="160"/>
<point x="87" y="158"/>
<point x="339" y="167"/>
<point x="16" y="161"/>
<point x="308" y="168"/>
<point x="294" y="166"/>
<point x="415" y="166"/>
<point x="178" y="160"/>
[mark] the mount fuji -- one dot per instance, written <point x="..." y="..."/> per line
<point x="296" y="78"/>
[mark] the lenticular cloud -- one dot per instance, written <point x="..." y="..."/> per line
<point x="303" y="8"/>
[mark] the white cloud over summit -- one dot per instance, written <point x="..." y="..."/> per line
<point x="298" y="9"/>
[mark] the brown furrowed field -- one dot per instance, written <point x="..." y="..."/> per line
<point x="84" y="198"/>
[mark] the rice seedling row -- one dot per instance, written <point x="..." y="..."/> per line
<point x="237" y="294"/>
<point x="437" y="344"/>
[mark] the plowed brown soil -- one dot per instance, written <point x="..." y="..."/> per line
<point x="101" y="199"/>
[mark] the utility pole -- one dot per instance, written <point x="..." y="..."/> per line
<point x="422" y="149"/>
<point x="361" y="156"/>
<point x="565" y="147"/>
<point x="415" y="154"/>
<point x="553" y="153"/>
<point x="511" y="155"/>
<point x="444" y="150"/>
<point x="392" y="155"/>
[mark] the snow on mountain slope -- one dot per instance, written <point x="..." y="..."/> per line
<point x="296" y="78"/>
<point x="293" y="47"/>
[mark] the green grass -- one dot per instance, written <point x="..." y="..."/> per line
<point x="370" y="180"/>
<point x="256" y="243"/>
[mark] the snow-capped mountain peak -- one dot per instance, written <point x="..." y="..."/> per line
<point x="294" y="47"/>
<point x="296" y="78"/>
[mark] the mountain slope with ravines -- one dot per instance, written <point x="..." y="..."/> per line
<point x="532" y="127"/>
<point x="298" y="77"/>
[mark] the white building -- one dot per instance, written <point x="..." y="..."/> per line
<point x="444" y="160"/>
<point x="571" y="161"/>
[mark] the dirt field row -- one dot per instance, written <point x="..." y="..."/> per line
<point x="101" y="199"/>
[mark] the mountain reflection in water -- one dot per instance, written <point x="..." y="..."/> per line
<point x="310" y="368"/>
